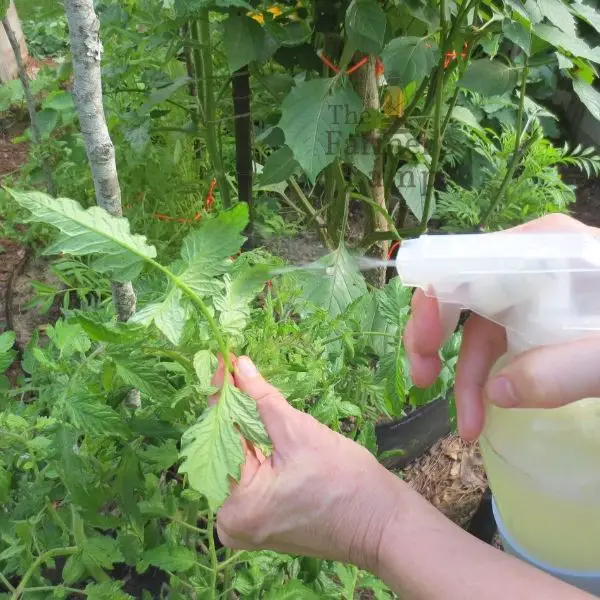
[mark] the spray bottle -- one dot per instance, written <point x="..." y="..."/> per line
<point x="543" y="465"/>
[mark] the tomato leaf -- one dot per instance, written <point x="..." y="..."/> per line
<point x="318" y="117"/>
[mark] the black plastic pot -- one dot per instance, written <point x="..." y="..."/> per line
<point x="412" y="436"/>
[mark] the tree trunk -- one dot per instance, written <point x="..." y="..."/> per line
<point x="365" y="81"/>
<point x="35" y="132"/>
<point x="86" y="49"/>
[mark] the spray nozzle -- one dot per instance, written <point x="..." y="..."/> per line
<point x="542" y="287"/>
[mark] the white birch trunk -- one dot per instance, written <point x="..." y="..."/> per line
<point x="86" y="48"/>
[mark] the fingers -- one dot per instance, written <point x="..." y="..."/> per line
<point x="483" y="344"/>
<point x="549" y="377"/>
<point x="277" y="415"/>
<point x="423" y="338"/>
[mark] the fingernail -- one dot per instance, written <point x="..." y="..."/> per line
<point x="246" y="367"/>
<point x="500" y="391"/>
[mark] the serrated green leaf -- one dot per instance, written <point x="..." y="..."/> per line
<point x="111" y="333"/>
<point x="162" y="456"/>
<point x="365" y="26"/>
<point x="587" y="13"/>
<point x="336" y="284"/>
<point x="589" y="96"/>
<point x="409" y="59"/>
<point x="109" y="590"/>
<point x="171" y="558"/>
<point x="464" y="115"/>
<point x="558" y="13"/>
<point x="391" y="370"/>
<point x="205" y="365"/>
<point x="212" y="448"/>
<point x="46" y="121"/>
<point x="128" y="481"/>
<point x="574" y="45"/>
<point x="234" y="304"/>
<point x="245" y="415"/>
<point x="89" y="232"/>
<point x="169" y="316"/>
<point x="73" y="570"/>
<point x="489" y="77"/>
<point x="139" y="373"/>
<point x="519" y="34"/>
<point x="206" y="251"/>
<point x="95" y="419"/>
<point x="69" y="338"/>
<point x="244" y="40"/>
<point x="280" y="166"/>
<point x="101" y="551"/>
<point x="164" y="93"/>
<point x="318" y="117"/>
<point x="393" y="303"/>
<point x="411" y="181"/>
<point x="293" y="590"/>
<point x="7" y="354"/>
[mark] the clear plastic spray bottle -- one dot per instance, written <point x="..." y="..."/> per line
<point x="543" y="465"/>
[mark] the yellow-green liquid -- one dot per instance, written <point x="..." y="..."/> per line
<point x="544" y="471"/>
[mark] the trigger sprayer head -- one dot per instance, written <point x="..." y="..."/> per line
<point x="541" y="287"/>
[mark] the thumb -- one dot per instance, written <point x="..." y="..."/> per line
<point x="279" y="417"/>
<point x="548" y="377"/>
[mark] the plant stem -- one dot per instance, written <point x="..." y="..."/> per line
<point x="233" y="558"/>
<point x="213" y="555"/>
<point x="40" y="560"/>
<point x="197" y="301"/>
<point x="311" y="212"/>
<point x="518" y="152"/>
<point x="210" y="112"/>
<point x="437" y="146"/>
<point x="188" y="526"/>
<point x="6" y="583"/>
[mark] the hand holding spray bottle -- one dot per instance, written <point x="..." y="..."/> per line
<point x="543" y="464"/>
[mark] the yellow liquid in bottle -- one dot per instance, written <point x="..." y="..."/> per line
<point x="543" y="467"/>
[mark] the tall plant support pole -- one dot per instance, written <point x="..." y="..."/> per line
<point x="86" y="48"/>
<point x="243" y="136"/>
<point x="35" y="132"/>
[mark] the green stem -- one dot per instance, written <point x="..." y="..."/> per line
<point x="213" y="556"/>
<point x="40" y="560"/>
<point x="516" y="157"/>
<point x="437" y="145"/>
<point x="188" y="526"/>
<point x="6" y="583"/>
<point x="197" y="61"/>
<point x="212" y="138"/>
<point x="197" y="301"/>
<point x="232" y="559"/>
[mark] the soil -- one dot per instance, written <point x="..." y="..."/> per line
<point x="12" y="155"/>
